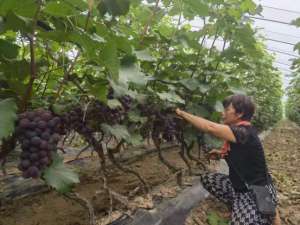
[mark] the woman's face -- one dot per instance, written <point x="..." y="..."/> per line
<point x="230" y="116"/>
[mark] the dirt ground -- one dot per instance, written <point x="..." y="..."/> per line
<point x="52" y="208"/>
<point x="282" y="149"/>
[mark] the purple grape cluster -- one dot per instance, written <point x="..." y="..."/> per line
<point x="161" y="123"/>
<point x="38" y="132"/>
<point x="104" y="114"/>
<point x="126" y="102"/>
<point x="74" y="120"/>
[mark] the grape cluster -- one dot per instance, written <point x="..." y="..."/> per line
<point x="75" y="120"/>
<point x="126" y="102"/>
<point x="38" y="133"/>
<point x="103" y="114"/>
<point x="161" y="123"/>
<point x="165" y="126"/>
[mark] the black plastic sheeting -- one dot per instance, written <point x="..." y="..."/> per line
<point x="169" y="212"/>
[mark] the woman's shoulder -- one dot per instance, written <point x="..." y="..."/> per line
<point x="243" y="133"/>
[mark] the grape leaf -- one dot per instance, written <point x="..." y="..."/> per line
<point x="8" y="50"/>
<point x="219" y="106"/>
<point x="191" y="83"/>
<point x="109" y="58"/>
<point x="114" y="103"/>
<point x="171" y="97"/>
<point x="99" y="90"/>
<point x="135" y="139"/>
<point x="132" y="74"/>
<point x="135" y="117"/>
<point x="8" y="116"/>
<point x="26" y="8"/>
<point x="144" y="55"/>
<point x="59" y="176"/>
<point x="60" y="8"/>
<point x="119" y="131"/>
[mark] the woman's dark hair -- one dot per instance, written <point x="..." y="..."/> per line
<point x="242" y="104"/>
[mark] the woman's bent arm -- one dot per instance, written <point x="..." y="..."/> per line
<point x="219" y="130"/>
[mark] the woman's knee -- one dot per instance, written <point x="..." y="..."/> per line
<point x="208" y="179"/>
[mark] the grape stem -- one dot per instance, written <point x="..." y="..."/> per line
<point x="33" y="76"/>
<point x="182" y="155"/>
<point x="173" y="169"/>
<point x="81" y="151"/>
<point x="190" y="155"/>
<point x="84" y="203"/>
<point x="123" y="169"/>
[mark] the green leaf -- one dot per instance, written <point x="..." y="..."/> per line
<point x="60" y="8"/>
<point x="99" y="90"/>
<point x="190" y="134"/>
<point x="190" y="83"/>
<point x="166" y="30"/>
<point x="81" y="5"/>
<point x="296" y="22"/>
<point x="136" y="118"/>
<point x="132" y="74"/>
<point x="198" y="110"/>
<point x="297" y="47"/>
<point x="16" y="23"/>
<point x="121" y="88"/>
<point x="123" y="44"/>
<point x="16" y="70"/>
<point x="91" y="44"/>
<point x="57" y="35"/>
<point x="8" y="116"/>
<point x="238" y="91"/>
<point x="248" y="6"/>
<point x="26" y="8"/>
<point x="109" y="57"/>
<point x="219" y="106"/>
<point x="171" y="97"/>
<point x="135" y="139"/>
<point x="204" y="88"/>
<point x="58" y="176"/>
<point x="144" y="55"/>
<point x="114" y="7"/>
<point x="213" y="219"/>
<point x="194" y="8"/>
<point x="58" y="109"/>
<point x="114" y="103"/>
<point x="8" y="50"/>
<point x="119" y="131"/>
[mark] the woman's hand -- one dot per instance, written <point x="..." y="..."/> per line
<point x="179" y="112"/>
<point x="215" y="154"/>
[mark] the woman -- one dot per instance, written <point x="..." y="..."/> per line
<point x="244" y="154"/>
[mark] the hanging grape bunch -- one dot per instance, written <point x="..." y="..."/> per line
<point x="161" y="123"/>
<point x="102" y="113"/>
<point x="38" y="132"/>
<point x="165" y="126"/>
<point x="169" y="129"/>
<point x="75" y="120"/>
<point x="126" y="102"/>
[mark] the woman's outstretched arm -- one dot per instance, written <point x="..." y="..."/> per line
<point x="219" y="130"/>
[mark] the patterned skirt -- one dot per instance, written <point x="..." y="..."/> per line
<point x="243" y="208"/>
